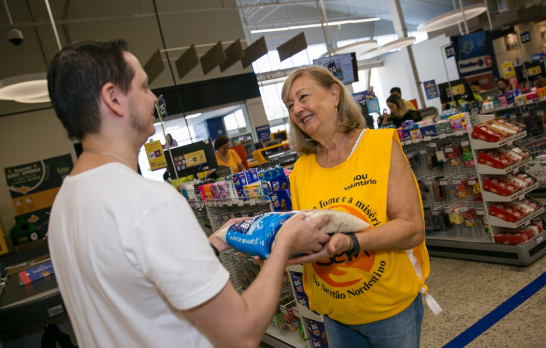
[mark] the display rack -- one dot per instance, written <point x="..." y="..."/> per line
<point x="475" y="243"/>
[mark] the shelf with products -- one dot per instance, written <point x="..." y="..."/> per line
<point x="478" y="144"/>
<point x="492" y="197"/>
<point x="283" y="338"/>
<point x="495" y="221"/>
<point x="485" y="169"/>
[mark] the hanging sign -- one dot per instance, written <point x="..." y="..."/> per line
<point x="161" y="107"/>
<point x="264" y="133"/>
<point x="508" y="70"/>
<point x="450" y="51"/>
<point x="430" y="89"/>
<point x="373" y="105"/>
<point x="156" y="157"/>
<point x="525" y="37"/>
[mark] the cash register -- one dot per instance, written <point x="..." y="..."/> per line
<point x="276" y="149"/>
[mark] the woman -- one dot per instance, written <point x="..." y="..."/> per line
<point x="504" y="85"/>
<point x="170" y="142"/>
<point x="227" y="157"/>
<point x="365" y="284"/>
<point x="399" y="112"/>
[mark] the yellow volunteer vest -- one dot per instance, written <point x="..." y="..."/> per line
<point x="370" y="285"/>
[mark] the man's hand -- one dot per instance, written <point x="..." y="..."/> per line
<point x="300" y="236"/>
<point x="217" y="242"/>
<point x="338" y="243"/>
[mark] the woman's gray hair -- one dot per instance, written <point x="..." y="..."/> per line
<point x="350" y="114"/>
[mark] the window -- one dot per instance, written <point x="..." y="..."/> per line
<point x="271" y="98"/>
<point x="235" y="120"/>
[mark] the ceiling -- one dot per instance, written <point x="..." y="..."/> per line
<point x="184" y="22"/>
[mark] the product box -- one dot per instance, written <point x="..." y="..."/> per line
<point x="428" y="131"/>
<point x="482" y="132"/>
<point x="443" y="127"/>
<point x="498" y="186"/>
<point x="319" y="344"/>
<point x="506" y="212"/>
<point x="415" y="134"/>
<point x="495" y="159"/>
<point x="32" y="274"/>
<point x="242" y="178"/>
<point x="300" y="293"/>
<point x="511" y="238"/>
<point x="279" y="183"/>
<point x="252" y="175"/>
<point x="317" y="330"/>
<point x="281" y="200"/>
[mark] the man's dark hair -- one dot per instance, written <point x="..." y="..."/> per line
<point x="220" y="141"/>
<point x="76" y="76"/>
<point x="475" y="83"/>
<point x="396" y="89"/>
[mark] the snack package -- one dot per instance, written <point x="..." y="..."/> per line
<point x="498" y="186"/>
<point x="256" y="236"/>
<point x="495" y="159"/>
<point x="318" y="334"/>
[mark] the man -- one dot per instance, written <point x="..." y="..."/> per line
<point x="133" y="265"/>
<point x="398" y="92"/>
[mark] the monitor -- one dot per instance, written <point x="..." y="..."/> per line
<point x="534" y="69"/>
<point x="342" y="66"/>
<point x="460" y="88"/>
<point x="281" y="135"/>
<point x="191" y="159"/>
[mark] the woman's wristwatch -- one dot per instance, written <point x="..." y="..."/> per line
<point x="355" y="244"/>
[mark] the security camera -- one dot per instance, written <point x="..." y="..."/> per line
<point x="15" y="37"/>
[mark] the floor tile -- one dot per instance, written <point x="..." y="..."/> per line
<point x="442" y="270"/>
<point x="535" y="305"/>
<point x="430" y="344"/>
<point x="456" y="317"/>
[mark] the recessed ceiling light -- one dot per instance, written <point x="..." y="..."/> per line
<point x="451" y="18"/>
<point x="173" y="127"/>
<point x="390" y="46"/>
<point x="42" y="99"/>
<point x="193" y="116"/>
<point x="305" y="26"/>
<point x="23" y="87"/>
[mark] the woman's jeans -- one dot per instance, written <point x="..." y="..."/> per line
<point x="401" y="331"/>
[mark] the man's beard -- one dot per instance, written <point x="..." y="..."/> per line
<point x="138" y="123"/>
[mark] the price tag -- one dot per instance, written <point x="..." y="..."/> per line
<point x="432" y="144"/>
<point x="427" y="182"/>
<point x="509" y="142"/>
<point x="521" y="197"/>
<point x="448" y="150"/>
<point x="447" y="211"/>
<point x="240" y="203"/>
<point x="220" y="205"/>
<point x="252" y="201"/>
<point x="407" y="142"/>
<point x="442" y="136"/>
<point x="464" y="209"/>
<point x="229" y="204"/>
<point x="471" y="182"/>
<point x="443" y="183"/>
<point x="527" y="223"/>
<point x="458" y="133"/>
<point x="457" y="182"/>
<point x="214" y="204"/>
<point x="513" y="116"/>
<point x="540" y="239"/>
<point x="480" y="212"/>
<point x="515" y="170"/>
<point x="209" y="204"/>
<point x="525" y="114"/>
<point x="423" y="152"/>
<point x="427" y="138"/>
<point x="464" y="143"/>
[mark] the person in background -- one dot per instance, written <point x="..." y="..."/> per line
<point x="540" y="83"/>
<point x="170" y="142"/>
<point x="227" y="157"/>
<point x="134" y="267"/>
<point x="364" y="283"/>
<point x="504" y="85"/>
<point x="475" y="86"/>
<point x="398" y="92"/>
<point x="399" y="112"/>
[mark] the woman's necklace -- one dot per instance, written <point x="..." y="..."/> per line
<point x="106" y="154"/>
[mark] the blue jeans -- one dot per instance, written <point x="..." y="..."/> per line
<point x="401" y="331"/>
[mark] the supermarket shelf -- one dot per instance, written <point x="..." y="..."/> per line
<point x="485" y="169"/>
<point x="519" y="255"/>
<point x="437" y="137"/>
<point x="447" y="236"/>
<point x="481" y="145"/>
<point x="527" y="106"/>
<point x="219" y="203"/>
<point x="283" y="338"/>
<point x="305" y="312"/>
<point x="295" y="268"/>
<point x="495" y="221"/>
<point x="492" y="197"/>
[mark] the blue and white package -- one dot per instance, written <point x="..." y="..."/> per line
<point x="255" y="236"/>
<point x="252" y="176"/>
<point x="281" y="200"/>
<point x="279" y="183"/>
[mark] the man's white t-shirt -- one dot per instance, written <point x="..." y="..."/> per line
<point x="129" y="257"/>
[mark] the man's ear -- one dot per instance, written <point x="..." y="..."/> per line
<point x="111" y="94"/>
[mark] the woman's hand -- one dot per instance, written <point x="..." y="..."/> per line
<point x="338" y="243"/>
<point x="217" y="242"/>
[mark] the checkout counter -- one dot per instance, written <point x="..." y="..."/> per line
<point x="280" y="152"/>
<point x="25" y="310"/>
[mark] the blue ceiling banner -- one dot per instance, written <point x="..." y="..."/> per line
<point x="473" y="45"/>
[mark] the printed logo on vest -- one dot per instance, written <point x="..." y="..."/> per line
<point x="360" y="180"/>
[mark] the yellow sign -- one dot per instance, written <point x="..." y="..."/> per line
<point x="534" y="71"/>
<point x="458" y="90"/>
<point x="156" y="157"/>
<point x="508" y="70"/>
<point x="3" y="246"/>
<point x="192" y="159"/>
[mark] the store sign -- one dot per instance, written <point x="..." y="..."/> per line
<point x="525" y="37"/>
<point x="508" y="70"/>
<point x="373" y="105"/>
<point x="450" y="51"/>
<point x="156" y="157"/>
<point x="161" y="107"/>
<point x="277" y="74"/>
<point x="473" y="64"/>
<point x="430" y="89"/>
<point x="264" y="133"/>
<point x="537" y="57"/>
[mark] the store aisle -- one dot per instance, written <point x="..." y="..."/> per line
<point x="467" y="291"/>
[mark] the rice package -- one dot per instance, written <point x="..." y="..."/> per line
<point x="256" y="236"/>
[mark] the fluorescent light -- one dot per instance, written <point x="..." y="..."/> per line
<point x="350" y="21"/>
<point x="171" y="128"/>
<point x="359" y="48"/>
<point x="42" y="99"/>
<point x="396" y="44"/>
<point x="451" y="18"/>
<point x="193" y="116"/>
<point x="24" y="87"/>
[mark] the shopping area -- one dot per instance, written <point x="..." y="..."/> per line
<point x="463" y="83"/>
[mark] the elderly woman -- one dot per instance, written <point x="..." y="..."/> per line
<point x="365" y="284"/>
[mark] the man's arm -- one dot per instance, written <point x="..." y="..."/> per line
<point x="239" y="321"/>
